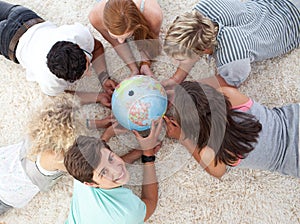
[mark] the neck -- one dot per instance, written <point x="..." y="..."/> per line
<point x="52" y="161"/>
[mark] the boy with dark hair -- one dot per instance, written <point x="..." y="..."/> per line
<point x="53" y="56"/>
<point x="98" y="195"/>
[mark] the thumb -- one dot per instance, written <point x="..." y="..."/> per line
<point x="137" y="135"/>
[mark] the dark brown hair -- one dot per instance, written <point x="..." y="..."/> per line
<point x="206" y="118"/>
<point x="83" y="157"/>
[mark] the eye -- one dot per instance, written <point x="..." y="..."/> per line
<point x="131" y="93"/>
<point x="103" y="172"/>
<point x="111" y="157"/>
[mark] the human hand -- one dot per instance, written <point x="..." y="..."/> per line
<point x="134" y="72"/>
<point x="152" y="140"/>
<point x="101" y="123"/>
<point x="145" y="70"/>
<point x="109" y="86"/>
<point x="114" y="129"/>
<point x="173" y="129"/>
<point x="153" y="151"/>
<point x="105" y="99"/>
<point x="169" y="84"/>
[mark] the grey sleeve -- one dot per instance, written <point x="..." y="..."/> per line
<point x="236" y="72"/>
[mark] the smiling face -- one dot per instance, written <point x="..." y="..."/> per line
<point x="111" y="172"/>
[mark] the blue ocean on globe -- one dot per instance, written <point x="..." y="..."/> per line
<point x="137" y="101"/>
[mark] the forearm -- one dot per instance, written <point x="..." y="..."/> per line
<point x="215" y="81"/>
<point x="85" y="97"/>
<point x="122" y="50"/>
<point x="192" y="149"/>
<point x="132" y="156"/>
<point x="206" y="158"/>
<point x="150" y="189"/>
<point x="180" y="75"/>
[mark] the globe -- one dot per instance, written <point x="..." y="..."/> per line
<point x="137" y="101"/>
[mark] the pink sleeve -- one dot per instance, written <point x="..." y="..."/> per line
<point x="244" y="107"/>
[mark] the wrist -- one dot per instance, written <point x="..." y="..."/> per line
<point x="148" y="159"/>
<point x="148" y="63"/>
<point x="176" y="79"/>
<point x="133" y="68"/>
<point x="102" y="77"/>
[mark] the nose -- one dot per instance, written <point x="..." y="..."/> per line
<point x="121" y="40"/>
<point x="116" y="170"/>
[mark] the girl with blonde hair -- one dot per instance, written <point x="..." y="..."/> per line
<point x="36" y="163"/>
<point x="119" y="20"/>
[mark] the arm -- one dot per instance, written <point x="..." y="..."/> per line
<point x="123" y="50"/>
<point x="150" y="146"/>
<point x="100" y="123"/>
<point x="205" y="157"/>
<point x="181" y="73"/>
<point x="92" y="97"/>
<point x="113" y="130"/>
<point x="132" y="156"/>
<point x="150" y="186"/>
<point x="99" y="66"/>
<point x="235" y="97"/>
<point x="154" y="16"/>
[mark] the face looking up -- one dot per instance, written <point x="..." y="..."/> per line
<point x="111" y="172"/>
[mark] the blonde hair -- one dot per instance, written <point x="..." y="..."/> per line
<point x="56" y="126"/>
<point x="123" y="16"/>
<point x="190" y="33"/>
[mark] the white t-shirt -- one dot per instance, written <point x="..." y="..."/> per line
<point x="16" y="189"/>
<point x="35" y="44"/>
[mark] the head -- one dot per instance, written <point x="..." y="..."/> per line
<point x="68" y="61"/>
<point x="206" y="118"/>
<point x="55" y="126"/>
<point x="123" y="19"/>
<point x="189" y="34"/>
<point x="91" y="161"/>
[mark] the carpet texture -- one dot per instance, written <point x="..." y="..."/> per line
<point x="187" y="194"/>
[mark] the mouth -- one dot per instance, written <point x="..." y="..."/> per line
<point x="121" y="175"/>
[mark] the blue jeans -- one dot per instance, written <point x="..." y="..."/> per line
<point x="12" y="18"/>
<point x="4" y="207"/>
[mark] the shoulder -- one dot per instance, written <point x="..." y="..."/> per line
<point x="153" y="14"/>
<point x="235" y="97"/>
<point x="96" y="14"/>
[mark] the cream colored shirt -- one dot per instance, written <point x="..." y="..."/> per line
<point x="35" y="44"/>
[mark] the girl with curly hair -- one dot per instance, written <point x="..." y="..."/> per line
<point x="36" y="163"/>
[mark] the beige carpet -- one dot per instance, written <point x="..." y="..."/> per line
<point x="186" y="193"/>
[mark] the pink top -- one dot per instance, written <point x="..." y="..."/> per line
<point x="243" y="107"/>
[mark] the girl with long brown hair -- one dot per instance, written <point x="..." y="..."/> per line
<point x="233" y="130"/>
<point x="118" y="20"/>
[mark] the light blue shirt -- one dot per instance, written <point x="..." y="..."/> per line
<point x="95" y="205"/>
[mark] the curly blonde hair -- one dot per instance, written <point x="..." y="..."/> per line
<point x="56" y="125"/>
<point x="190" y="33"/>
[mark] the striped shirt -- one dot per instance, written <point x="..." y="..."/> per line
<point x="250" y="31"/>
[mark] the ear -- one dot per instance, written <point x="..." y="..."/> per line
<point x="90" y="184"/>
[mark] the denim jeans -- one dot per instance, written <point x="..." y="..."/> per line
<point x="12" y="18"/>
<point x="4" y="207"/>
